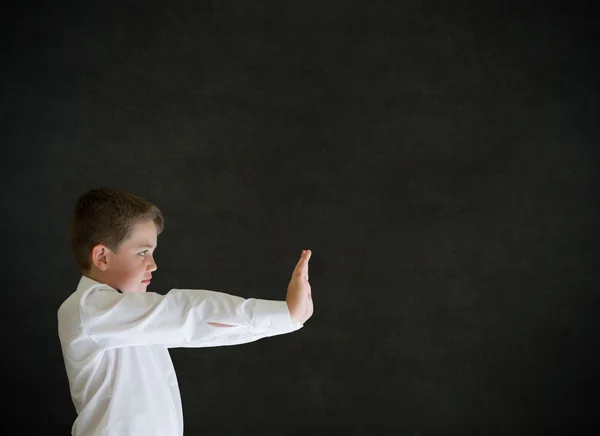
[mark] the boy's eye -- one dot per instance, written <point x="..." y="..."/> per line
<point x="144" y="252"/>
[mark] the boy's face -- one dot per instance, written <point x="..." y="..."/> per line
<point x="134" y="262"/>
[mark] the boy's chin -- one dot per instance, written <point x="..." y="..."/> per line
<point x="135" y="290"/>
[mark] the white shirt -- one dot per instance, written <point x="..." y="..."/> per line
<point x="115" y="349"/>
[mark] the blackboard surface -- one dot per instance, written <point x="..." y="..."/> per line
<point x="439" y="158"/>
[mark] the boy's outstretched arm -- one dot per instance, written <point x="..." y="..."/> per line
<point x="191" y="317"/>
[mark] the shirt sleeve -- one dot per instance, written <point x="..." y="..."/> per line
<point x="180" y="318"/>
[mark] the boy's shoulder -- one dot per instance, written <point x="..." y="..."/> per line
<point x="72" y="302"/>
<point x="69" y="313"/>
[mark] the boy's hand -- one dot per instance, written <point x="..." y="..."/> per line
<point x="299" y="296"/>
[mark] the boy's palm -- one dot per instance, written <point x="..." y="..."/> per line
<point x="299" y="293"/>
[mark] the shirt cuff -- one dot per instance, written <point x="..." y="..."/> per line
<point x="275" y="316"/>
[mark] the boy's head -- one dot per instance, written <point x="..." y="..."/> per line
<point x="113" y="235"/>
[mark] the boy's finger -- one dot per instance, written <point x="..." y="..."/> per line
<point x="304" y="257"/>
<point x="302" y="265"/>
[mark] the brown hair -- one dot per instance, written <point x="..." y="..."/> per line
<point x="107" y="216"/>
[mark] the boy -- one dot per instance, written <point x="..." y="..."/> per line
<point x="115" y="334"/>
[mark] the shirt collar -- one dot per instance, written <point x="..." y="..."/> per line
<point x="85" y="283"/>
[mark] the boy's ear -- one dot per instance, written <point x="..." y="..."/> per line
<point x="100" y="257"/>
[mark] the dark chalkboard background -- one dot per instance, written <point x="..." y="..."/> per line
<point x="440" y="159"/>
